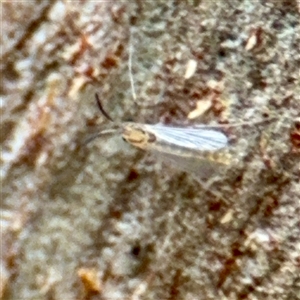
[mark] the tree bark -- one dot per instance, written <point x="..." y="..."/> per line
<point x="104" y="220"/>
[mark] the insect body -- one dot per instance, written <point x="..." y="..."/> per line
<point x="179" y="140"/>
<point x="189" y="148"/>
<point x="193" y="149"/>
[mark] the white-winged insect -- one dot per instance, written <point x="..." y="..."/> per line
<point x="193" y="149"/>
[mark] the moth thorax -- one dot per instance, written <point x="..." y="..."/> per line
<point x="138" y="137"/>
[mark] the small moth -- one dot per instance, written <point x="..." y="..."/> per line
<point x="192" y="149"/>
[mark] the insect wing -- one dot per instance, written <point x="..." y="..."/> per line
<point x="190" y="137"/>
<point x="200" y="167"/>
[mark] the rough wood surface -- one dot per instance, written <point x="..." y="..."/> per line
<point x="107" y="221"/>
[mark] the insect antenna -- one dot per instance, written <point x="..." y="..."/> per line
<point x="98" y="134"/>
<point x="100" y="106"/>
<point x="107" y="116"/>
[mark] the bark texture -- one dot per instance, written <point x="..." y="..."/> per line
<point x="108" y="221"/>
